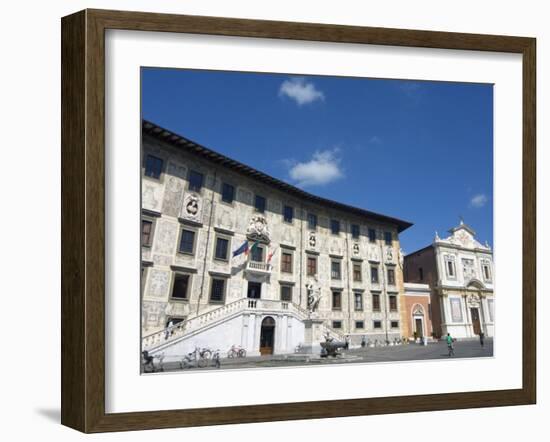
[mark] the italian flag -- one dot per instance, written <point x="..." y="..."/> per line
<point x="249" y="250"/>
<point x="270" y="255"/>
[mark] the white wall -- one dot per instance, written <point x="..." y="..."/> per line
<point x="30" y="86"/>
<point x="242" y="329"/>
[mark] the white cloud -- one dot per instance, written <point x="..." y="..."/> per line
<point x="301" y="91"/>
<point x="324" y="167"/>
<point x="479" y="200"/>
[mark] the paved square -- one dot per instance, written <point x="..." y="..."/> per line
<point x="410" y="352"/>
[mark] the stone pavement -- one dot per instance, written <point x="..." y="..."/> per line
<point x="411" y="352"/>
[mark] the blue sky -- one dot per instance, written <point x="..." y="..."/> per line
<point x="417" y="150"/>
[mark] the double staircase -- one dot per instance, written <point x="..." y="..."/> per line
<point x="188" y="327"/>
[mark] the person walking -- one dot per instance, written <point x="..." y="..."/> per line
<point x="481" y="338"/>
<point x="450" y="345"/>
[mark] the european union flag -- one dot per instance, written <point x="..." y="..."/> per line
<point x="241" y="249"/>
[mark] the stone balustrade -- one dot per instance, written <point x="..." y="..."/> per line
<point x="259" y="267"/>
<point x="185" y="327"/>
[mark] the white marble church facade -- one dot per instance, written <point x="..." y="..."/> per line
<point x="334" y="269"/>
<point x="460" y="272"/>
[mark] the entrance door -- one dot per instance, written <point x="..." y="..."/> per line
<point x="475" y="320"/>
<point x="419" y="328"/>
<point x="254" y="290"/>
<point x="267" y="336"/>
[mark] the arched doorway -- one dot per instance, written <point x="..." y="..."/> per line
<point x="267" y="336"/>
<point x="418" y="321"/>
<point x="473" y="301"/>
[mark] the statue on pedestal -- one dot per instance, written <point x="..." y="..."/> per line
<point x="313" y="297"/>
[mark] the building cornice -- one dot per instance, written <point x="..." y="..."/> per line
<point x="440" y="244"/>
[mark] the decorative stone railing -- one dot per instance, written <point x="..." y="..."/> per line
<point x="190" y="325"/>
<point x="185" y="327"/>
<point x="261" y="267"/>
<point x="276" y="305"/>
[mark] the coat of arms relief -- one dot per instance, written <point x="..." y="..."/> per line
<point x="191" y="207"/>
<point x="258" y="230"/>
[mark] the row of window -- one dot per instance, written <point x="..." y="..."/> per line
<point x="377" y="324"/>
<point x="180" y="291"/>
<point x="469" y="269"/>
<point x="358" y="301"/>
<point x="356" y="273"/>
<point x="221" y="252"/>
<point x="153" y="169"/>
<point x="182" y="282"/>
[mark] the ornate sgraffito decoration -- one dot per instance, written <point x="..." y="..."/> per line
<point x="166" y="234"/>
<point x="225" y="219"/>
<point x="257" y="229"/>
<point x="176" y="309"/>
<point x="389" y="254"/>
<point x="313" y="296"/>
<point x="191" y="207"/>
<point x="287" y="236"/>
<point x="374" y="254"/>
<point x="312" y="240"/>
<point x="335" y="247"/>
<point x="158" y="283"/>
<point x="356" y="249"/>
<point x="148" y="198"/>
<point x="245" y="196"/>
<point x="152" y="313"/>
<point x="473" y="300"/>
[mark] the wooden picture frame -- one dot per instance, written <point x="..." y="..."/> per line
<point x="83" y="220"/>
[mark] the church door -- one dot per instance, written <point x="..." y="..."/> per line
<point x="475" y="320"/>
<point x="419" y="329"/>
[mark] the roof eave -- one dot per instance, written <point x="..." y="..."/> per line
<point x="180" y="142"/>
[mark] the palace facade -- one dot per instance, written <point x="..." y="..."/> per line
<point x="232" y="256"/>
<point x="459" y="271"/>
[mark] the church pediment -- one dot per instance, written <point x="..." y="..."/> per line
<point x="463" y="236"/>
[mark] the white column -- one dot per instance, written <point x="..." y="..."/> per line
<point x="251" y="334"/>
<point x="468" y="318"/>
<point x="284" y="334"/>
<point x="446" y="310"/>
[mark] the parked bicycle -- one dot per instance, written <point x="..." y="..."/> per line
<point x="197" y="358"/>
<point x="204" y="353"/>
<point x="236" y="351"/>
